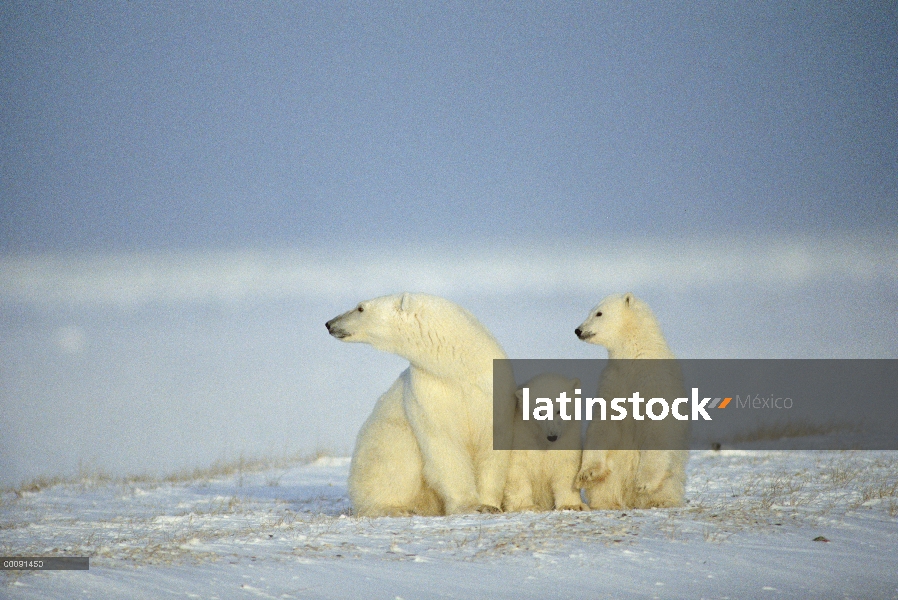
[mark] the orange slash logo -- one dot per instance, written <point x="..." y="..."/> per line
<point x="722" y="404"/>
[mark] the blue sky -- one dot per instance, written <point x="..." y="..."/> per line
<point x="224" y="125"/>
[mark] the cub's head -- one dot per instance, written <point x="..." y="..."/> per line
<point x="607" y="322"/>
<point x="377" y="322"/>
<point x="550" y="385"/>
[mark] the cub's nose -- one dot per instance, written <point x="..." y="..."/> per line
<point x="551" y="438"/>
<point x="328" y="325"/>
<point x="578" y="331"/>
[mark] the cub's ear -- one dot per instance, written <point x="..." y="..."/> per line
<point x="629" y="299"/>
<point x="406" y="303"/>
<point x="575" y="383"/>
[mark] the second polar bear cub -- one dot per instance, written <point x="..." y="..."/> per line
<point x="614" y="472"/>
<point x="427" y="447"/>
<point x="546" y="454"/>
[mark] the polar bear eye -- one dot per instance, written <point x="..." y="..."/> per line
<point x="361" y="309"/>
<point x="599" y="314"/>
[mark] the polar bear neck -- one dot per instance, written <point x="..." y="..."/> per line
<point x="640" y="337"/>
<point x="636" y="348"/>
<point x="459" y="345"/>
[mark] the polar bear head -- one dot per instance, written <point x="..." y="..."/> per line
<point x="626" y="326"/>
<point x="551" y="386"/>
<point x="378" y="322"/>
<point x="431" y="332"/>
<point x="609" y="321"/>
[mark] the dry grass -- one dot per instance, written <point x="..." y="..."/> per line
<point x="219" y="469"/>
<point x="879" y="491"/>
<point x="767" y="498"/>
<point x="840" y="474"/>
<point x="229" y="468"/>
<point x="36" y="485"/>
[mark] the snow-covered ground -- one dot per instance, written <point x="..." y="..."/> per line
<point x="768" y="524"/>
<point x="152" y="363"/>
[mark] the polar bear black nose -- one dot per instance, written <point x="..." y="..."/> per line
<point x="551" y="438"/>
<point x="328" y="325"/>
<point x="578" y="332"/>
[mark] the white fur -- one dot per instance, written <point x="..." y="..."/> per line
<point x="627" y="327"/>
<point x="542" y="476"/>
<point x="427" y="446"/>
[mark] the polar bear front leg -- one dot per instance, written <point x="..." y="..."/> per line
<point x="492" y="473"/>
<point x="615" y="488"/>
<point x="565" y="493"/>
<point x="594" y="468"/>
<point x="518" y="494"/>
<point x="654" y="465"/>
<point x="449" y="470"/>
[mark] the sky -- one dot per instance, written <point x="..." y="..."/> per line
<point x="174" y="125"/>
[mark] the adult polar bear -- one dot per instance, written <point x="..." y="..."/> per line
<point x="427" y="448"/>
<point x="626" y="477"/>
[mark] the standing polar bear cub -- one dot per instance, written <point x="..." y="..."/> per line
<point x="627" y="477"/>
<point x="427" y="448"/>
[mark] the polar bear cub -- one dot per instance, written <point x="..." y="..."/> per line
<point x="546" y="454"/>
<point x="427" y="447"/>
<point x="633" y="478"/>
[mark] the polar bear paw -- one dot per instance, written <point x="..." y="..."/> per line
<point x="594" y="474"/>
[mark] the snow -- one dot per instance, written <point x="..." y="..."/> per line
<point x="747" y="531"/>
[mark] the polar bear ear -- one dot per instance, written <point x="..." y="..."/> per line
<point x="406" y="303"/>
<point x="519" y="394"/>
<point x="575" y="383"/>
<point x="629" y="299"/>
